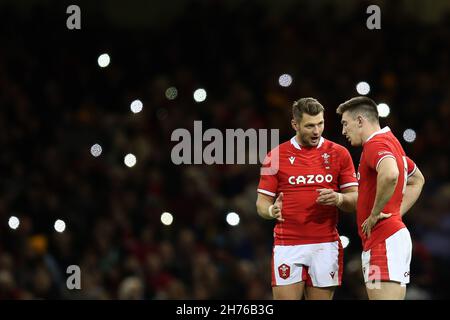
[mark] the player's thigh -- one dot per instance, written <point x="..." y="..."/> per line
<point x="292" y="291"/>
<point x="386" y="290"/>
<point x="326" y="265"/>
<point x="386" y="267"/>
<point x="315" y="293"/>
<point x="287" y="267"/>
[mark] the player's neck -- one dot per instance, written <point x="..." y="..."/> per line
<point x="301" y="144"/>
<point x="299" y="141"/>
<point x="371" y="129"/>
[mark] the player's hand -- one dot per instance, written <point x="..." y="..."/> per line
<point x="275" y="209"/>
<point x="327" y="197"/>
<point x="371" y="221"/>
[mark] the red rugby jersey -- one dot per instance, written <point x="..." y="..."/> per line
<point x="378" y="146"/>
<point x="301" y="171"/>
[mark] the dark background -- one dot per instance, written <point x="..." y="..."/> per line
<point x="56" y="103"/>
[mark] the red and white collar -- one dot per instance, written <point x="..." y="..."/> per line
<point x="384" y="130"/>
<point x="297" y="146"/>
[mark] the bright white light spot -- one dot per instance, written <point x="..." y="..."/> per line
<point x="171" y="93"/>
<point x="383" y="110"/>
<point x="13" y="222"/>
<point x="136" y="106"/>
<point x="285" y="80"/>
<point x="409" y="135"/>
<point x="166" y="218"/>
<point x="199" y="95"/>
<point x="130" y="160"/>
<point x="345" y="241"/>
<point x="60" y="225"/>
<point x="103" y="60"/>
<point x="96" y="150"/>
<point x="233" y="219"/>
<point x="363" y="88"/>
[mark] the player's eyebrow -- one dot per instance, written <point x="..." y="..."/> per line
<point x="313" y="124"/>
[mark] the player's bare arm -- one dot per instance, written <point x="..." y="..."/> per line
<point x="345" y="201"/>
<point x="414" y="186"/>
<point x="387" y="179"/>
<point x="267" y="208"/>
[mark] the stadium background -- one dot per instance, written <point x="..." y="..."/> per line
<point x="56" y="102"/>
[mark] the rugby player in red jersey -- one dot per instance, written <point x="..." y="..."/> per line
<point x="389" y="185"/>
<point x="312" y="177"/>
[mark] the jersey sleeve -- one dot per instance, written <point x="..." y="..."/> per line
<point x="412" y="167"/>
<point x="268" y="183"/>
<point x="347" y="174"/>
<point x="377" y="151"/>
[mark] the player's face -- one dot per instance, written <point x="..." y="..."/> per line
<point x="309" y="129"/>
<point x="350" y="129"/>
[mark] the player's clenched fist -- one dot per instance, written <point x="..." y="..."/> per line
<point x="275" y="209"/>
<point x="329" y="197"/>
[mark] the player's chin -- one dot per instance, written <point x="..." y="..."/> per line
<point x="314" y="141"/>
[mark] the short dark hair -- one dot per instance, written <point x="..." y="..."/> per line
<point x="306" y="105"/>
<point x="363" y="105"/>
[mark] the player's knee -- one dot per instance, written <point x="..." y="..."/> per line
<point x="289" y="292"/>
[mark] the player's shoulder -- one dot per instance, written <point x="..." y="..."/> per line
<point x="380" y="140"/>
<point x="285" y="145"/>
<point x="282" y="147"/>
<point x="334" y="146"/>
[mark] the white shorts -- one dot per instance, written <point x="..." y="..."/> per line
<point x="389" y="260"/>
<point x="319" y="264"/>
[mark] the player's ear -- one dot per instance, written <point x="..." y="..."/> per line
<point x="359" y="120"/>
<point x="294" y="124"/>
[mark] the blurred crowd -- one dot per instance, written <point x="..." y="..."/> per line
<point x="56" y="103"/>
